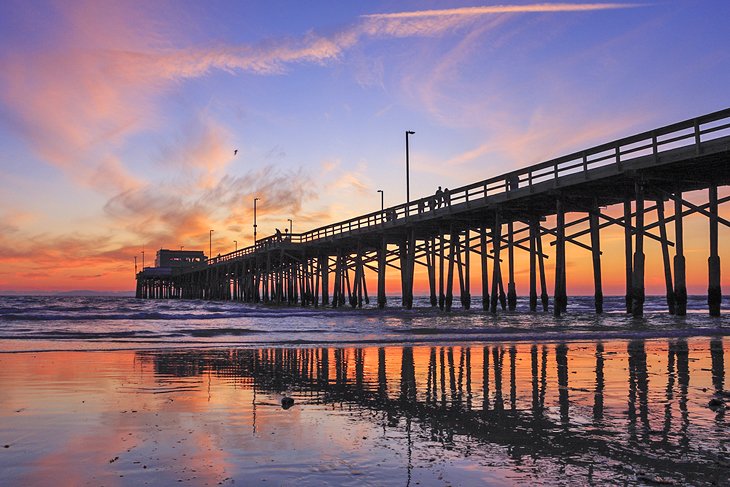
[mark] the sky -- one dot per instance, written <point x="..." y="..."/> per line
<point x="119" y="121"/>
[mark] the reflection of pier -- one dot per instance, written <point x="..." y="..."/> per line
<point x="491" y="220"/>
<point x="525" y="398"/>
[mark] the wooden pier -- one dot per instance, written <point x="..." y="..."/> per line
<point x="491" y="220"/>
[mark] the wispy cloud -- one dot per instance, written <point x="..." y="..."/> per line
<point x="502" y="9"/>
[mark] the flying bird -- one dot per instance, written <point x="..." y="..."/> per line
<point x="235" y="151"/>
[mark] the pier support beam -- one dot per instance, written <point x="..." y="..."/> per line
<point x="680" y="280"/>
<point x="324" y="266"/>
<point x="431" y="266"/>
<point x="596" y="254"/>
<point x="511" y="290"/>
<point x="382" y="265"/>
<point x="637" y="281"/>
<point x="665" y="256"/>
<point x="466" y="291"/>
<point x="714" y="291"/>
<point x="628" y="253"/>
<point x="485" y="271"/>
<point x="543" y="280"/>
<point x="533" y="264"/>
<point x="442" y="296"/>
<point x="450" y="278"/>
<point x="496" y="267"/>
<point x="560" y="288"/>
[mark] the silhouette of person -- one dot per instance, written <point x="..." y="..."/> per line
<point x="286" y="234"/>
<point x="513" y="182"/>
<point x="447" y="197"/>
<point x="278" y="235"/>
<point x="439" y="197"/>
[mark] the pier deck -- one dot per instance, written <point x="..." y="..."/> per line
<point x="490" y="220"/>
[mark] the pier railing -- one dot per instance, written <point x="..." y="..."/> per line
<point x="692" y="132"/>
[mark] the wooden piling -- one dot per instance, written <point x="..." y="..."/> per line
<point x="714" y="290"/>
<point x="442" y="296"/>
<point x="544" y="299"/>
<point x="450" y="277"/>
<point x="628" y="254"/>
<point x="637" y="281"/>
<point x="596" y="254"/>
<point x="431" y="267"/>
<point x="382" y="265"/>
<point x="496" y="277"/>
<point x="511" y="290"/>
<point x="533" y="265"/>
<point x="466" y="296"/>
<point x="665" y="256"/>
<point x="485" y="271"/>
<point x="559" y="292"/>
<point x="680" y="282"/>
<point x="325" y="271"/>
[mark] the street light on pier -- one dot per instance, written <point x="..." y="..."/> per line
<point x="382" y="200"/>
<point x="235" y="242"/>
<point x="290" y="226"/>
<point x="210" y="244"/>
<point x="254" y="220"/>
<point x="408" y="182"/>
<point x="135" y="265"/>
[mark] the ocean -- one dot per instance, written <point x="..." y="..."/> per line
<point x="120" y="391"/>
<point x="36" y="323"/>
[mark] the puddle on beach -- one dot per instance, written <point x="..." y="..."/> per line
<point x="573" y="413"/>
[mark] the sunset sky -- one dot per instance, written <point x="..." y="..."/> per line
<point x="119" y="120"/>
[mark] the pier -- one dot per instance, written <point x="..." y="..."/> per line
<point x="541" y="210"/>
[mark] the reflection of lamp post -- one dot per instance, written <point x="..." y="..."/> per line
<point x="235" y="242"/>
<point x="210" y="244"/>
<point x="254" y="220"/>
<point x="408" y="183"/>
<point x="382" y="200"/>
<point x="290" y="225"/>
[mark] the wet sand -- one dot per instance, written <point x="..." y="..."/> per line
<point x="497" y="414"/>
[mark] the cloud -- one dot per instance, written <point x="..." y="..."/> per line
<point x="78" y="103"/>
<point x="164" y="213"/>
<point x="502" y="9"/>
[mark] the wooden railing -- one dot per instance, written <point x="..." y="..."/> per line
<point x="692" y="132"/>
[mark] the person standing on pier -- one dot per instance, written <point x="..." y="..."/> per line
<point x="439" y="197"/>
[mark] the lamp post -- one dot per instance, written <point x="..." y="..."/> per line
<point x="408" y="182"/>
<point x="143" y="257"/>
<point x="210" y="244"/>
<point x="254" y="220"/>
<point x="135" y="265"/>
<point x="290" y="225"/>
<point x="382" y="200"/>
<point x="235" y="242"/>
